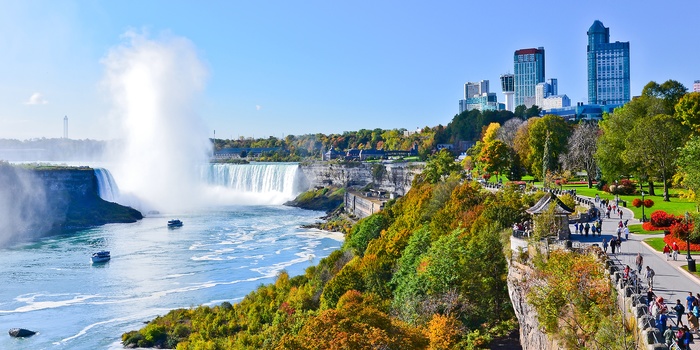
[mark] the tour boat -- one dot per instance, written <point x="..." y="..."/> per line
<point x="100" y="256"/>
<point x="174" y="223"/>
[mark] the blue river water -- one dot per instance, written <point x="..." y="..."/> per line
<point x="220" y="254"/>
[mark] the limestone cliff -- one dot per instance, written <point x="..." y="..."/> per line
<point x="37" y="201"/>
<point x="391" y="177"/>
<point x="531" y="334"/>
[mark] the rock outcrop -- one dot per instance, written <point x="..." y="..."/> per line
<point x="20" y="332"/>
<point x="38" y="201"/>
<point x="391" y="177"/>
<point x="531" y="334"/>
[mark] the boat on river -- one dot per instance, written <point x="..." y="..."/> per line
<point x="174" y="223"/>
<point x="100" y="257"/>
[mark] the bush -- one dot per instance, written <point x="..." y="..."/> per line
<point x="662" y="219"/>
<point x="624" y="187"/>
<point x="648" y="203"/>
<point x="637" y="203"/>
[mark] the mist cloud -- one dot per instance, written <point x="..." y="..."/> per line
<point x="154" y="85"/>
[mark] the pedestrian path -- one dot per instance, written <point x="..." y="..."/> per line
<point x="670" y="282"/>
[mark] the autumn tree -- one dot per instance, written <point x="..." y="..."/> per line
<point x="521" y="142"/>
<point x="440" y="166"/>
<point x="688" y="110"/>
<point x="582" y="145"/>
<point x="495" y="157"/>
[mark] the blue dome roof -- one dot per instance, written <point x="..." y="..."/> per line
<point x="597" y="27"/>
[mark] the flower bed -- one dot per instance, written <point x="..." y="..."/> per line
<point x="669" y="239"/>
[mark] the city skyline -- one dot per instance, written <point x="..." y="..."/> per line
<point x="276" y="69"/>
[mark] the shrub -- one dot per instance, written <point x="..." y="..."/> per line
<point x="660" y="218"/>
<point x="648" y="203"/>
<point x="637" y="203"/>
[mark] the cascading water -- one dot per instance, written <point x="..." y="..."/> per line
<point x="106" y="185"/>
<point x="258" y="183"/>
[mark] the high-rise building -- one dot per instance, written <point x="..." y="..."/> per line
<point x="65" y="127"/>
<point x="529" y="71"/>
<point x="696" y="86"/>
<point x="608" y="67"/>
<point x="477" y="96"/>
<point x="508" y="88"/>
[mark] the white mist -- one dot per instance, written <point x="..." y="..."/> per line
<point x="154" y="85"/>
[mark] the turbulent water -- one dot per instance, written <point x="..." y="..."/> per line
<point x="220" y="254"/>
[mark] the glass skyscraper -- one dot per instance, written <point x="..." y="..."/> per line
<point x="608" y="67"/>
<point x="529" y="71"/>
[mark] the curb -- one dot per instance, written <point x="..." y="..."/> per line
<point x="679" y="268"/>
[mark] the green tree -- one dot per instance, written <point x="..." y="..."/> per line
<point x="440" y="166"/>
<point x="688" y="110"/>
<point x="689" y="163"/>
<point x="559" y="131"/>
<point x="658" y="147"/>
<point x="669" y="92"/>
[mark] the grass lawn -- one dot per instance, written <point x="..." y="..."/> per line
<point x="637" y="228"/>
<point x="657" y="243"/>
<point x="676" y="206"/>
<point x="696" y="273"/>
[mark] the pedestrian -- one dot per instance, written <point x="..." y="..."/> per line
<point x="693" y="315"/>
<point x="661" y="323"/>
<point x="639" y="260"/>
<point x="667" y="252"/>
<point x="650" y="277"/>
<point x="684" y="338"/>
<point x="627" y="233"/>
<point x="689" y="301"/>
<point x="620" y="212"/>
<point x="605" y="246"/>
<point x="669" y="337"/>
<point x="680" y="310"/>
<point x="587" y="228"/>
<point x="676" y="249"/>
<point x="612" y="245"/>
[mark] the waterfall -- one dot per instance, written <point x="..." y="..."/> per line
<point x="282" y="180"/>
<point x="106" y="185"/>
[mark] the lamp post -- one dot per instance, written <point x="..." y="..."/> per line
<point x="644" y="218"/>
<point x="691" y="261"/>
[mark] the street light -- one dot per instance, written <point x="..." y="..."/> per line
<point x="691" y="262"/>
<point x="644" y="218"/>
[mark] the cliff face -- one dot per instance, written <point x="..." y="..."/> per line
<point x="531" y="335"/>
<point x="41" y="201"/>
<point x="393" y="177"/>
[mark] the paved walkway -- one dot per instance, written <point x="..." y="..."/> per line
<point x="670" y="282"/>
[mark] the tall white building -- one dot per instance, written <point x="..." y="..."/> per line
<point x="696" y="86"/>
<point x="508" y="88"/>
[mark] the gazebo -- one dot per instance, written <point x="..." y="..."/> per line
<point x="561" y="214"/>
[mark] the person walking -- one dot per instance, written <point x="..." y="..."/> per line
<point x="676" y="249"/>
<point x="667" y="252"/>
<point x="586" y="228"/>
<point x="650" y="277"/>
<point x="605" y="246"/>
<point x="639" y="261"/>
<point x="627" y="233"/>
<point x="680" y="310"/>
<point x="612" y="245"/>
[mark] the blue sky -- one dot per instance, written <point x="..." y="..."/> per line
<point x="297" y="67"/>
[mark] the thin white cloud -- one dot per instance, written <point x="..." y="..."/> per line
<point x="36" y="99"/>
<point x="258" y="107"/>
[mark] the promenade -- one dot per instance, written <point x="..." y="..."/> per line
<point x="670" y="282"/>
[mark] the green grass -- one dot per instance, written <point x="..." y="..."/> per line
<point x="637" y="228"/>
<point x="676" y="206"/>
<point x="696" y="273"/>
<point x="657" y="243"/>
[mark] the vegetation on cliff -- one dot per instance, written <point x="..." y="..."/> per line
<point x="427" y="272"/>
<point x="326" y="199"/>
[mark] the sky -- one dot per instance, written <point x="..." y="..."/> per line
<point x="275" y="68"/>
